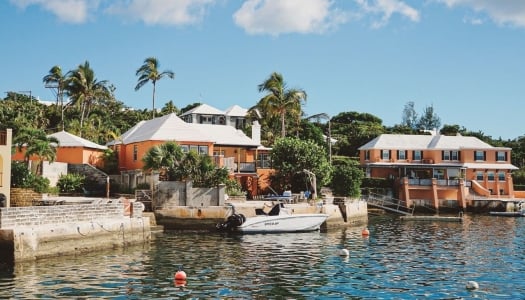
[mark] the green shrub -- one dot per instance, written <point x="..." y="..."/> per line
<point x="71" y="183"/>
<point x="234" y="188"/>
<point x="21" y="177"/>
<point x="346" y="180"/>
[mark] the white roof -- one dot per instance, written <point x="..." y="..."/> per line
<point x="225" y="135"/>
<point x="236" y="111"/>
<point x="67" y="139"/>
<point x="422" y="142"/>
<point x="172" y="128"/>
<point x="204" y="109"/>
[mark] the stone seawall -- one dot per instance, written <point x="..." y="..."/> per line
<point x="34" y="232"/>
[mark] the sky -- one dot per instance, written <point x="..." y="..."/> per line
<point x="464" y="58"/>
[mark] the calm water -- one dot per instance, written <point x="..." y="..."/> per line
<point x="400" y="260"/>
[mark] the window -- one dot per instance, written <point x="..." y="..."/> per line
<point x="490" y="176"/>
<point x="445" y="155"/>
<point x="385" y="154"/>
<point x="194" y="148"/>
<point x="367" y="154"/>
<point x="185" y="148"/>
<point x="479" y="175"/>
<point x="401" y="154"/>
<point x="417" y="154"/>
<point x="135" y="152"/>
<point x="501" y="156"/>
<point x="439" y="173"/>
<point x="479" y="155"/>
<point x="501" y="176"/>
<point x="203" y="150"/>
<point x="263" y="161"/>
<point x="454" y="155"/>
<point x="218" y="153"/>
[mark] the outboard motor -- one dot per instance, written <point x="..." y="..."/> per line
<point x="232" y="222"/>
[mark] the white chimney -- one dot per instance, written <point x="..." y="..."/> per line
<point x="256" y="132"/>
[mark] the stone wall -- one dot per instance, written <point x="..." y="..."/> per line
<point x="23" y="197"/>
<point x="29" y="233"/>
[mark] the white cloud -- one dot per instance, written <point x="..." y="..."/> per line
<point x="386" y="8"/>
<point x="502" y="12"/>
<point x="167" y="12"/>
<point x="70" y="11"/>
<point x="275" y="17"/>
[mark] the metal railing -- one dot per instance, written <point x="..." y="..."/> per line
<point x="388" y="203"/>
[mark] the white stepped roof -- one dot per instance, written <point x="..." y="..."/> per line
<point x="236" y="111"/>
<point x="172" y="128"/>
<point x="67" y="139"/>
<point x="421" y="142"/>
<point x="204" y="109"/>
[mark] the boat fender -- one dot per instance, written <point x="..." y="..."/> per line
<point x="343" y="252"/>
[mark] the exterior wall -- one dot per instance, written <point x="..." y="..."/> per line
<point x="72" y="155"/>
<point x="5" y="165"/>
<point x="31" y="233"/>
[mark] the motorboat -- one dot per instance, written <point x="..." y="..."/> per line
<point x="518" y="212"/>
<point x="277" y="219"/>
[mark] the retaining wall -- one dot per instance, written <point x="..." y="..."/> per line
<point x="29" y="233"/>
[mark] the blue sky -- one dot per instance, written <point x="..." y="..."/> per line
<point x="466" y="58"/>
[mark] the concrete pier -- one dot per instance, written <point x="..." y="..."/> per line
<point x="34" y="232"/>
<point x="345" y="213"/>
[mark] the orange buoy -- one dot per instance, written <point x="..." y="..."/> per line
<point x="180" y="275"/>
<point x="179" y="283"/>
<point x="365" y="232"/>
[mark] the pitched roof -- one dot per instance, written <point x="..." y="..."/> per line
<point x="204" y="109"/>
<point x="171" y="128"/>
<point x="166" y="128"/>
<point x="67" y="139"/>
<point x="226" y="135"/>
<point x="236" y="111"/>
<point x="420" y="142"/>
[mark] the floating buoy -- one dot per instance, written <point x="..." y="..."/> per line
<point x="343" y="252"/>
<point x="472" y="285"/>
<point x="365" y="232"/>
<point x="180" y="275"/>
<point x="179" y="283"/>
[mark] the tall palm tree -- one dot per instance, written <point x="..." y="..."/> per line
<point x="56" y="80"/>
<point x="149" y="71"/>
<point x="280" y="100"/>
<point x="84" y="90"/>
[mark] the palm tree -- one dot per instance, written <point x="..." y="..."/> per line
<point x="163" y="157"/>
<point x="149" y="72"/>
<point x="84" y="90"/>
<point x="56" y="80"/>
<point x="37" y="143"/>
<point x="280" y="100"/>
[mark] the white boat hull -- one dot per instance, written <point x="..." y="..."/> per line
<point x="283" y="223"/>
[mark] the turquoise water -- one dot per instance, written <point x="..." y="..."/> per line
<point x="399" y="260"/>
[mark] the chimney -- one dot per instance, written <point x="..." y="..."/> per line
<point x="256" y="132"/>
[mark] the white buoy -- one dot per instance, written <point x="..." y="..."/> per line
<point x="343" y="252"/>
<point x="472" y="285"/>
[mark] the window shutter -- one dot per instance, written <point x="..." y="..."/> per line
<point x="389" y="154"/>
<point x="443" y="155"/>
<point x="398" y="154"/>
<point x="484" y="155"/>
<point x="506" y="155"/>
<point x="459" y="155"/>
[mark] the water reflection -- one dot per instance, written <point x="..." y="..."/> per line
<point x="398" y="260"/>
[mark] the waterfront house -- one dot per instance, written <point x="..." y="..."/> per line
<point x="229" y="147"/>
<point x="439" y="170"/>
<point x="72" y="149"/>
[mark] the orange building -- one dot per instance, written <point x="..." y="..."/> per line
<point x="229" y="147"/>
<point x="438" y="168"/>
<point x="72" y="149"/>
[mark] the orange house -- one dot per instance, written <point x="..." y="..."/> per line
<point x="438" y="168"/>
<point x="72" y="149"/>
<point x="229" y="147"/>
